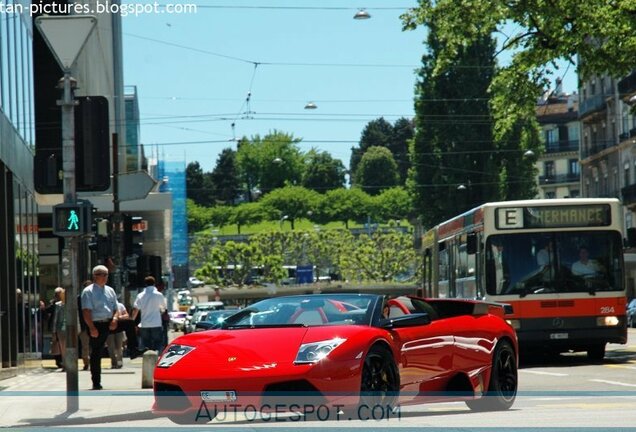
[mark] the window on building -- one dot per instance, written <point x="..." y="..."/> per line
<point x="626" y="174"/>
<point x="575" y="193"/>
<point x="573" y="132"/>
<point x="574" y="167"/>
<point x="552" y="139"/>
<point x="550" y="195"/>
<point x="549" y="169"/>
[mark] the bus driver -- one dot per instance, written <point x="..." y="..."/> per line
<point x="586" y="267"/>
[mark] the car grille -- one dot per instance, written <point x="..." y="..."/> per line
<point x="297" y="391"/>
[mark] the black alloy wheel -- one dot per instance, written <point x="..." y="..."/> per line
<point x="502" y="387"/>
<point x="380" y="382"/>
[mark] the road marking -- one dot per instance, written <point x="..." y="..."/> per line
<point x="544" y="373"/>
<point x="621" y="367"/>
<point x="614" y="383"/>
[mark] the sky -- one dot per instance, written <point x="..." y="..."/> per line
<point x="238" y="68"/>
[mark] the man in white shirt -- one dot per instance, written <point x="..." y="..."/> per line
<point x="586" y="267"/>
<point x="151" y="303"/>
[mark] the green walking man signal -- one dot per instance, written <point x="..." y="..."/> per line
<point x="70" y="220"/>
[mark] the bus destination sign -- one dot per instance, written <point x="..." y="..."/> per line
<point x="553" y="216"/>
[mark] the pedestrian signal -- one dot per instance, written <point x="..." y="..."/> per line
<point x="71" y="220"/>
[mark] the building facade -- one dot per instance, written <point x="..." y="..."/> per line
<point x="558" y="166"/>
<point x="20" y="330"/>
<point x="608" y="150"/>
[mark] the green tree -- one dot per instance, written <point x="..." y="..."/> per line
<point x="377" y="133"/>
<point x="225" y="179"/>
<point x="248" y="160"/>
<point x="239" y="257"/>
<point x="281" y="161"/>
<point x="453" y="144"/>
<point x="380" y="257"/>
<point x="345" y="205"/>
<point x="247" y="214"/>
<point x="291" y="202"/>
<point x="323" y="172"/>
<point x="599" y="33"/>
<point x="198" y="216"/>
<point x="221" y="216"/>
<point x="195" y="183"/>
<point x="376" y="171"/>
<point x="394" y="203"/>
<point x="403" y="132"/>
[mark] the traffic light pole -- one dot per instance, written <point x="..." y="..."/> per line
<point x="72" y="243"/>
<point x="117" y="221"/>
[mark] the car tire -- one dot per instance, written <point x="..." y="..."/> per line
<point x="502" y="386"/>
<point x="596" y="352"/>
<point x="380" y="380"/>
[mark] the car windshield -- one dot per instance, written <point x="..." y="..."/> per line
<point x="538" y="263"/>
<point x="308" y="310"/>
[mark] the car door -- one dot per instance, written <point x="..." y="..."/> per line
<point x="426" y="357"/>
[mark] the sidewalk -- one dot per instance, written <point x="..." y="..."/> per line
<point x="38" y="397"/>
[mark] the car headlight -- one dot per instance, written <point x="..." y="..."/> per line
<point x="314" y="352"/>
<point x="173" y="354"/>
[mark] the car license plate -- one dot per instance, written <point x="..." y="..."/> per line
<point x="559" y="335"/>
<point x="218" y="396"/>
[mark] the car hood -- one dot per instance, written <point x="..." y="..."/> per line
<point x="249" y="348"/>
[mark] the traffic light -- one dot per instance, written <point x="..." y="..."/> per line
<point x="92" y="149"/>
<point x="133" y="236"/>
<point x="70" y="220"/>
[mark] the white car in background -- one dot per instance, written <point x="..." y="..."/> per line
<point x="177" y="320"/>
<point x="194" y="282"/>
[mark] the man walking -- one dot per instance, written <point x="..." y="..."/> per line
<point x="151" y="303"/>
<point x="99" y="309"/>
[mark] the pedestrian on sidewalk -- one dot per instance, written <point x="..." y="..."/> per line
<point x="115" y="340"/>
<point x="151" y="303"/>
<point x="84" y="337"/>
<point x="99" y="308"/>
<point x="59" y="324"/>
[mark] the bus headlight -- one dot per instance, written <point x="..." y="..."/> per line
<point x="607" y="321"/>
<point x="515" y="324"/>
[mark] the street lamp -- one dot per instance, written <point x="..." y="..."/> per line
<point x="362" y="14"/>
<point x="282" y="219"/>
<point x="311" y="106"/>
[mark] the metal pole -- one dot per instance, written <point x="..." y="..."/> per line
<point x="117" y="221"/>
<point x="68" y="155"/>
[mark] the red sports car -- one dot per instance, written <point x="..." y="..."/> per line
<point x="330" y="354"/>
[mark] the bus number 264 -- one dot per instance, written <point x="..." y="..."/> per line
<point x="607" y="309"/>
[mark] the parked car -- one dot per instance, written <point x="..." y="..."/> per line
<point x="213" y="319"/>
<point x="177" y="320"/>
<point x="194" y="282"/>
<point x="631" y="313"/>
<point x="342" y="350"/>
<point x="190" y="324"/>
<point x="198" y="307"/>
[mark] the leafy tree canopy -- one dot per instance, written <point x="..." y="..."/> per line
<point x="323" y="172"/>
<point x="377" y="170"/>
<point x="294" y="202"/>
<point x="600" y="33"/>
<point x="225" y="179"/>
<point x="345" y="205"/>
<point x="394" y="203"/>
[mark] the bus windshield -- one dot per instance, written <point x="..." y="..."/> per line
<point x="536" y="263"/>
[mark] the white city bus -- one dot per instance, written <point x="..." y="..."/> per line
<point x="558" y="263"/>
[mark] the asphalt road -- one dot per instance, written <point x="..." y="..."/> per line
<point x="565" y="392"/>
